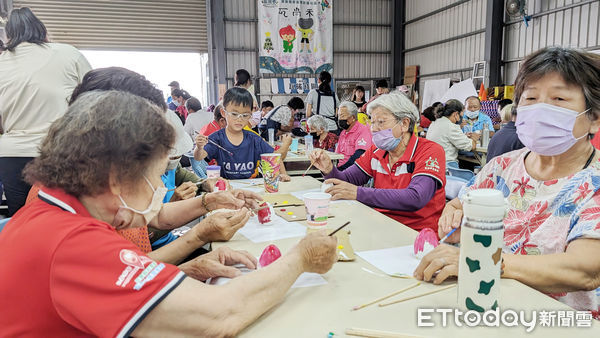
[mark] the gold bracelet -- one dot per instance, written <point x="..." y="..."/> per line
<point x="204" y="205"/>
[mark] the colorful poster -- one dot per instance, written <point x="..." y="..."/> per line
<point x="295" y="36"/>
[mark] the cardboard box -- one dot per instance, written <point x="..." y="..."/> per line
<point x="411" y="71"/>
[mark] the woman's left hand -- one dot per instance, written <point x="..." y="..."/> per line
<point x="224" y="200"/>
<point x="218" y="263"/>
<point x="341" y="190"/>
<point x="285" y="178"/>
<point x="251" y="198"/>
<point x="439" y="264"/>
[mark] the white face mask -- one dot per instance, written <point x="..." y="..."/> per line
<point x="121" y="219"/>
<point x="472" y="114"/>
<point x="173" y="164"/>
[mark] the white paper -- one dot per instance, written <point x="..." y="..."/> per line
<point x="460" y="91"/>
<point x="279" y="229"/>
<point x="305" y="280"/>
<point x="249" y="184"/>
<point x="400" y="260"/>
<point x="308" y="279"/>
<point x="434" y="90"/>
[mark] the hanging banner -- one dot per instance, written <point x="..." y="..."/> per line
<point x="295" y="36"/>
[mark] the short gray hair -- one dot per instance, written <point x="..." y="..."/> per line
<point x="398" y="105"/>
<point x="351" y="106"/>
<point x="317" y="122"/>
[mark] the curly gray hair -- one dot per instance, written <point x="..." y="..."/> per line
<point x="317" y="122"/>
<point x="100" y="132"/>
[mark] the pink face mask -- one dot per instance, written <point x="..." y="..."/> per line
<point x="546" y="129"/>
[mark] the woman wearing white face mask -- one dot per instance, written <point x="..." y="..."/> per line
<point x="551" y="235"/>
<point x="408" y="171"/>
<point x="89" y="281"/>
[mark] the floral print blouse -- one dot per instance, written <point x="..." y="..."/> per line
<point x="545" y="216"/>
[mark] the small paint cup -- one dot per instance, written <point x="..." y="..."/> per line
<point x="213" y="171"/>
<point x="317" y="209"/>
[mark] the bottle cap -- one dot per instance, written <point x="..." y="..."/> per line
<point x="484" y="204"/>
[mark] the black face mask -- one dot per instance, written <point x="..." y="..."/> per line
<point x="343" y="124"/>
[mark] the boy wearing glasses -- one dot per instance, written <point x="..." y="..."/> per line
<point x="235" y="149"/>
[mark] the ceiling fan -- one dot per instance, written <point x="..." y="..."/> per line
<point x="518" y="8"/>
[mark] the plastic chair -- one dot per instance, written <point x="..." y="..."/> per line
<point x="460" y="173"/>
<point x="453" y="186"/>
<point x="3" y="223"/>
<point x="452" y="164"/>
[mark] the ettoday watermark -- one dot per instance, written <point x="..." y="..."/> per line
<point x="508" y="318"/>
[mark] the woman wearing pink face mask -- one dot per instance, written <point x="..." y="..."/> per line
<point x="99" y="169"/>
<point x="408" y="171"/>
<point x="552" y="232"/>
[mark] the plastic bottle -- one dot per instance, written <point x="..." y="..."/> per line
<point x="481" y="243"/>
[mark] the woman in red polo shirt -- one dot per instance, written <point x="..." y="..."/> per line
<point x="408" y="171"/>
<point x="65" y="266"/>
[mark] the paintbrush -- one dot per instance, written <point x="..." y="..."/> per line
<point x="340" y="228"/>
<point x="199" y="183"/>
<point x="306" y="172"/>
<point x="220" y="147"/>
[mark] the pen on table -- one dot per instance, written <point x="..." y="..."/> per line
<point x="338" y="229"/>
<point x="447" y="235"/>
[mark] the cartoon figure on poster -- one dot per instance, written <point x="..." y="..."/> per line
<point x="304" y="26"/>
<point x="268" y="46"/>
<point x="288" y="35"/>
<point x="282" y="22"/>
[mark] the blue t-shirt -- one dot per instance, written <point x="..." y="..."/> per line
<point x="478" y="125"/>
<point x="246" y="156"/>
<point x="168" y="179"/>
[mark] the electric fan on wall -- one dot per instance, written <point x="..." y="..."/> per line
<point x="517" y="9"/>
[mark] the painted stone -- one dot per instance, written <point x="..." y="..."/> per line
<point x="269" y="255"/>
<point x="426" y="241"/>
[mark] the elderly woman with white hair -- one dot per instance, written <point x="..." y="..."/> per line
<point x="322" y="137"/>
<point x="408" y="171"/>
<point x="355" y="137"/>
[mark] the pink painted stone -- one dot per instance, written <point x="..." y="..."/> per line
<point x="426" y="241"/>
<point x="264" y="215"/>
<point x="269" y="255"/>
<point x="221" y="185"/>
